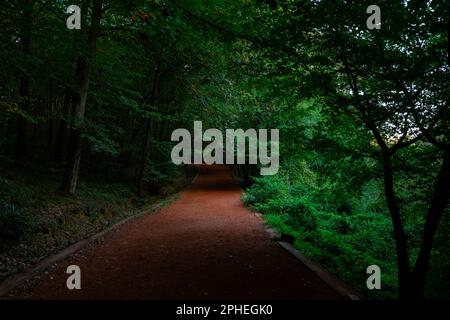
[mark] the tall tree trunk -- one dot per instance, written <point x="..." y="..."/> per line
<point x="439" y="203"/>
<point x="84" y="65"/>
<point x="51" y="127"/>
<point x="399" y="234"/>
<point x="126" y="157"/>
<point x="24" y="86"/>
<point x="64" y="126"/>
<point x="143" y="167"/>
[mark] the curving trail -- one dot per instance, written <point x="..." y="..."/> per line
<point x="207" y="245"/>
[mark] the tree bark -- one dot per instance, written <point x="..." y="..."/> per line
<point x="64" y="127"/>
<point x="399" y="234"/>
<point x="143" y="167"/>
<point x="84" y="65"/>
<point x="439" y="203"/>
<point x="403" y="268"/>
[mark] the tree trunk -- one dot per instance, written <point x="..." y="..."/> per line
<point x="51" y="125"/>
<point x="439" y="203"/>
<point x="143" y="168"/>
<point x="126" y="157"/>
<point x="24" y="86"/>
<point x="64" y="127"/>
<point x="84" y="64"/>
<point x="399" y="234"/>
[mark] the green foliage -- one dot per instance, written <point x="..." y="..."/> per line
<point x="345" y="242"/>
<point x="297" y="213"/>
<point x="335" y="90"/>
<point x="267" y="189"/>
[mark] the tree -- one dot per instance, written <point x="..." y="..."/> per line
<point x="393" y="81"/>
<point x="83" y="73"/>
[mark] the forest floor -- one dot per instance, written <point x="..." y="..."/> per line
<point x="36" y="221"/>
<point x="207" y="245"/>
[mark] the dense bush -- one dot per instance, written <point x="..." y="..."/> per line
<point x="295" y="212"/>
<point x="346" y="241"/>
<point x="264" y="190"/>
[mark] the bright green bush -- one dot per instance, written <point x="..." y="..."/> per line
<point x="345" y="242"/>
<point x="295" y="212"/>
<point x="265" y="189"/>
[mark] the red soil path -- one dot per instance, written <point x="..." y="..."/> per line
<point x="207" y="245"/>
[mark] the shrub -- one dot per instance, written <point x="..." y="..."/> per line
<point x="14" y="221"/>
<point x="296" y="212"/>
<point x="265" y="189"/>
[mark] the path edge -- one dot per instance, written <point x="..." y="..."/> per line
<point x="328" y="278"/>
<point x="331" y="280"/>
<point x="21" y="277"/>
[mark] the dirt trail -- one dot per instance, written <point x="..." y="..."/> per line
<point x="207" y="245"/>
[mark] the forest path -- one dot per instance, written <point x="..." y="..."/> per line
<point x="207" y="245"/>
